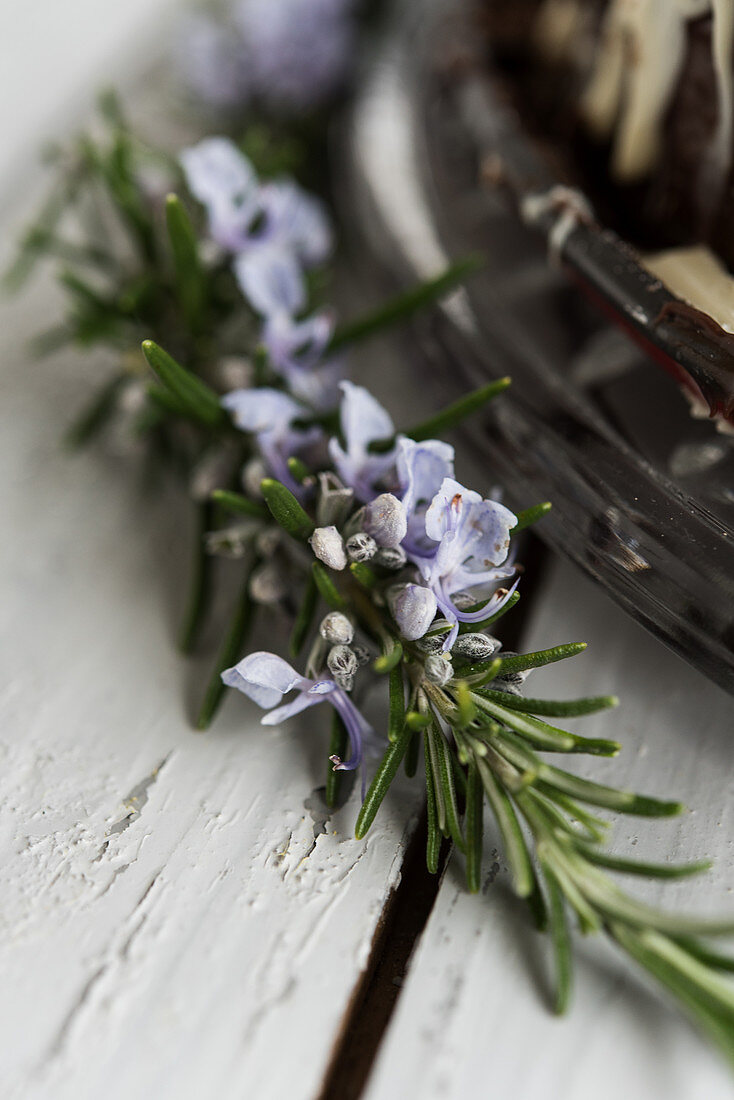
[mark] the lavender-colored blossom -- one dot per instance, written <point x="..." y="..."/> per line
<point x="421" y="469"/>
<point x="274" y="230"/>
<point x="296" y="220"/>
<point x="224" y="182"/>
<point x="363" y="421"/>
<point x="413" y="608"/>
<point x="292" y="233"/>
<point x="300" y="50"/>
<point x="296" y="349"/>
<point x="266" y="678"/>
<point x="213" y="62"/>
<point x="473" y="538"/>
<point x="271" y="279"/>
<point x="271" y="416"/>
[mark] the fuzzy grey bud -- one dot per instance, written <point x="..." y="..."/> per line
<point x="252" y="475"/>
<point x="231" y="542"/>
<point x="438" y="670"/>
<point x="336" y="629"/>
<point x="475" y="647"/>
<point x="342" y="664"/>
<point x="361" y="547"/>
<point x="267" y="585"/>
<point x="362" y="653"/>
<point x="328" y="546"/>
<point x="390" y="557"/>
<point x="431" y="643"/>
<point x="511" y="682"/>
<point x="385" y="520"/>
<point x="233" y="372"/>
<point x="268" y="540"/>
<point x="413" y="607"/>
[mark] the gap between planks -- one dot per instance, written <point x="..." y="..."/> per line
<point x="406" y="912"/>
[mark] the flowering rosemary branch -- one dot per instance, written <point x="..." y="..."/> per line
<point x="393" y="571"/>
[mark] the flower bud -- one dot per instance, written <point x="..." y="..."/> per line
<point x="431" y="643"/>
<point x="328" y="546"/>
<point x="438" y="670"/>
<point x="342" y="664"/>
<point x="475" y="647"/>
<point x="268" y="540"/>
<point x="413" y="608"/>
<point x="390" y="557"/>
<point x="336" y="628"/>
<point x="361" y="547"/>
<point x="362" y="653"/>
<point x="252" y="475"/>
<point x="511" y="682"/>
<point x="234" y="372"/>
<point x="267" y="585"/>
<point x="385" y="520"/>
<point x="210" y="472"/>
<point x="231" y="542"/>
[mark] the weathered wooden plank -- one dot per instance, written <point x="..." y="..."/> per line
<point x="180" y="915"/>
<point x="470" y="1021"/>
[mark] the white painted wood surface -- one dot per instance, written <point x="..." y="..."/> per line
<point x="178" y="918"/>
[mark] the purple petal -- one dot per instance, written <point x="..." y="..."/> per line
<point x="223" y="179"/>
<point x="363" y="419"/>
<point x="298" y="221"/>
<point x="262" y="410"/>
<point x="271" y="279"/>
<point x="264" y="678"/>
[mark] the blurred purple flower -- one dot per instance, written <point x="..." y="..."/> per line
<point x="266" y="678"/>
<point x="224" y="181"/>
<point x="299" y="51"/>
<point x="275" y="230"/>
<point x="271" y="415"/>
<point x="213" y="61"/>
<point x="296" y="350"/>
<point x="363" y="421"/>
<point x="473" y="539"/>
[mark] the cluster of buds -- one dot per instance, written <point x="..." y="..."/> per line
<point x="372" y="534"/>
<point x="345" y="656"/>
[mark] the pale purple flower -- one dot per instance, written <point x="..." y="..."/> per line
<point x="296" y="349"/>
<point x="274" y="230"/>
<point x="296" y="220"/>
<point x="271" y="278"/>
<point x="300" y="50"/>
<point x="213" y="62"/>
<point x="413" y="607"/>
<point x="224" y="182"/>
<point x="292" y="233"/>
<point x="363" y="421"/>
<point x="421" y="469"/>
<point x="472" y="539"/>
<point x="266" y="678"/>
<point x="271" y="415"/>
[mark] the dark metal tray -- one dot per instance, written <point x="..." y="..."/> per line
<point x="643" y="494"/>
